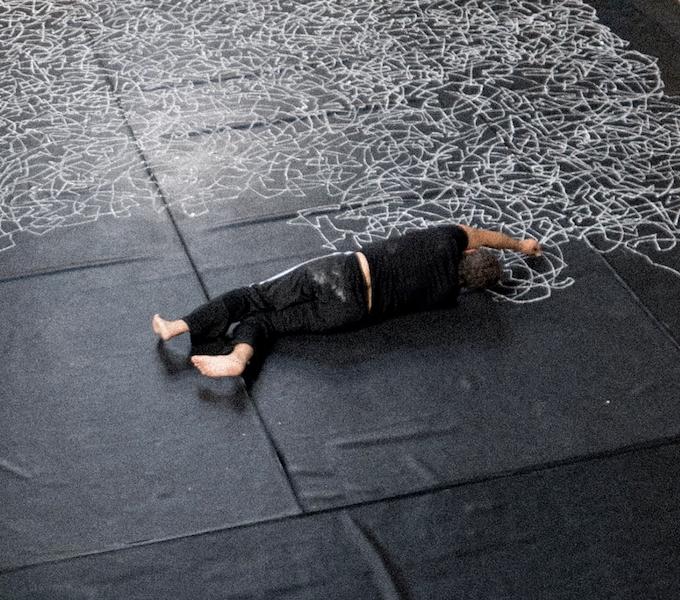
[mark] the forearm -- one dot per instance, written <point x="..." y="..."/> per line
<point x="490" y="239"/>
<point x="478" y="238"/>
<point x="499" y="241"/>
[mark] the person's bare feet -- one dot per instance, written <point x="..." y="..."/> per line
<point x="168" y="329"/>
<point x="219" y="366"/>
<point x="231" y="365"/>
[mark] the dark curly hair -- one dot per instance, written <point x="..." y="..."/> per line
<point x="479" y="269"/>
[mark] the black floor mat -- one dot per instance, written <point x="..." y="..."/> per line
<point x="107" y="440"/>
<point x="603" y="528"/>
<point x="155" y="154"/>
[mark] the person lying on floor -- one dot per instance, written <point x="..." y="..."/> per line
<point x="419" y="270"/>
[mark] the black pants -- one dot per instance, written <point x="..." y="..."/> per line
<point x="323" y="294"/>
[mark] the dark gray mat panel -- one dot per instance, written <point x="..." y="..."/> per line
<point x="652" y="27"/>
<point x="302" y="558"/>
<point x="656" y="285"/>
<point x="143" y="237"/>
<point x="660" y="12"/>
<point x="71" y="171"/>
<point x="600" y="529"/>
<point x="447" y="396"/>
<point x="228" y="256"/>
<point x="107" y="440"/>
<point x="652" y="270"/>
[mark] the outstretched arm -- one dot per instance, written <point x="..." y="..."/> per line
<point x="495" y="239"/>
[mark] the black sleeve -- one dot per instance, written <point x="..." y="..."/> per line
<point x="461" y="238"/>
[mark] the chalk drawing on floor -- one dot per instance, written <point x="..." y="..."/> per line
<point x="526" y="116"/>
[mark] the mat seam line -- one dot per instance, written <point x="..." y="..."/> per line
<point x="150" y="173"/>
<point x="529" y="470"/>
<point x="159" y="190"/>
<point x="145" y="163"/>
<point x="192" y="263"/>
<point x="277" y="451"/>
<point x="665" y="331"/>
<point x="70" y="268"/>
<point x="187" y="252"/>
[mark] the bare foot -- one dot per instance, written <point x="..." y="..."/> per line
<point x="220" y="366"/>
<point x="168" y="329"/>
<point x="231" y="365"/>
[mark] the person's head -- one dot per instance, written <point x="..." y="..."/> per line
<point x="479" y="269"/>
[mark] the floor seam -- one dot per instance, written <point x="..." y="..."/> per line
<point x="245" y="390"/>
<point x="159" y="190"/>
<point x="492" y="477"/>
<point x="667" y="333"/>
<point x="279" y="454"/>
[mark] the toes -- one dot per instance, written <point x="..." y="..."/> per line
<point x="159" y="326"/>
<point x="200" y="363"/>
<point x="206" y="370"/>
<point x="201" y="368"/>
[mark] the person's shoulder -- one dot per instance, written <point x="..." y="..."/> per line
<point x="444" y="235"/>
<point x="460" y="234"/>
<point x="440" y="234"/>
<point x="452" y="227"/>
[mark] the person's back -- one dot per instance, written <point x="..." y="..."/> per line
<point x="415" y="271"/>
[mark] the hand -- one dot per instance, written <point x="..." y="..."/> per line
<point x="530" y="247"/>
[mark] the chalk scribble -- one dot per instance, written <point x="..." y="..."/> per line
<point x="362" y="119"/>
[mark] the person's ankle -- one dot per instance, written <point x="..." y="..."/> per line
<point x="179" y="326"/>
<point x="243" y="352"/>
